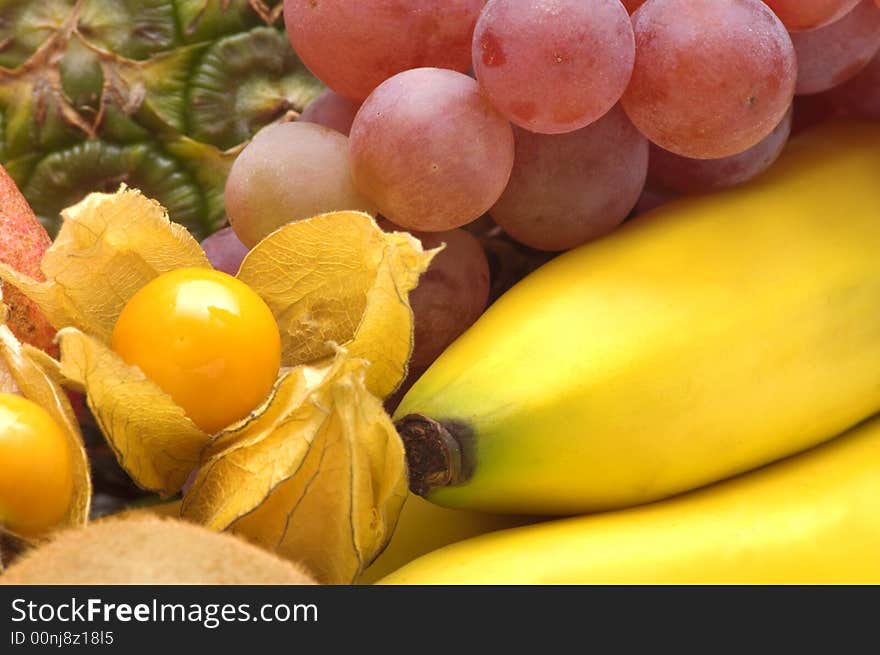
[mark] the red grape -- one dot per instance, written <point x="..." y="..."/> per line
<point x="225" y="250"/>
<point x="831" y="55"/>
<point x="809" y="14"/>
<point x="683" y="175"/>
<point x="430" y="149"/>
<point x="451" y="294"/>
<point x="567" y="189"/>
<point x="331" y="110"/>
<point x="289" y="172"/>
<point x="860" y="96"/>
<point x="354" y="45"/>
<point x="553" y="66"/>
<point x="711" y="79"/>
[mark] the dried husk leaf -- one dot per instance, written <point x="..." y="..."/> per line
<point x="109" y="246"/>
<point x="53" y="368"/>
<point x="319" y="476"/>
<point x="385" y="335"/>
<point x="7" y="380"/>
<point x="35" y="382"/>
<point x="153" y="439"/>
<point x="243" y="465"/>
<point x="337" y="278"/>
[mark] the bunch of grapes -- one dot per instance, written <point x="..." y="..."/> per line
<point x="554" y="117"/>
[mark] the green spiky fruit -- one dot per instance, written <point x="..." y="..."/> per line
<point x="160" y="95"/>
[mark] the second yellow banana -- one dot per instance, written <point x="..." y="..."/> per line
<point x="704" y="339"/>
<point x="810" y="519"/>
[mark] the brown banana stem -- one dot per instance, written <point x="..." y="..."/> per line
<point x="435" y="452"/>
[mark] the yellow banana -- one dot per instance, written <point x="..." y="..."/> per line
<point x="701" y="340"/>
<point x="423" y="527"/>
<point x="810" y="519"/>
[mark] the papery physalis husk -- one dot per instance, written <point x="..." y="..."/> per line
<point x="23" y="371"/>
<point x="339" y="279"/>
<point x="318" y="476"/>
<point x="317" y="472"/>
<point x="7" y="380"/>
<point x="109" y="246"/>
<point x="153" y="439"/>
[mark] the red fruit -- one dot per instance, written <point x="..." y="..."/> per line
<point x="23" y="240"/>
<point x="225" y="250"/>
<point x="451" y="294"/>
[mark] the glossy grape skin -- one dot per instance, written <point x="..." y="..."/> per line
<point x="225" y="250"/>
<point x="289" y="172"/>
<point x="429" y="149"/>
<point x="355" y="45"/>
<point x="809" y="14"/>
<point x="711" y="79"/>
<point x="206" y="339"/>
<point x="331" y="110"/>
<point x="553" y="66"/>
<point x="567" y="189"/>
<point x="831" y="55"/>
<point x="683" y="175"/>
<point x="36" y="468"/>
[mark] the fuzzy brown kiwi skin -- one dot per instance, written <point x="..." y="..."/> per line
<point x="150" y="550"/>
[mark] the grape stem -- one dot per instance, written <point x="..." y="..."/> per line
<point x="437" y="452"/>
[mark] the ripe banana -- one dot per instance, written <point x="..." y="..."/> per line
<point x="810" y="519"/>
<point x="424" y="527"/>
<point x="703" y="339"/>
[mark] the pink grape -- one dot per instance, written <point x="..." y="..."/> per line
<point x="831" y="55"/>
<point x="553" y="66"/>
<point x="567" y="189"/>
<point x="331" y="110"/>
<point x="289" y="172"/>
<point x="711" y="79"/>
<point x="809" y="14"/>
<point x="430" y="150"/>
<point x="683" y="175"/>
<point x="225" y="250"/>
<point x="355" y="45"/>
<point x="860" y="96"/>
<point x="451" y="294"/>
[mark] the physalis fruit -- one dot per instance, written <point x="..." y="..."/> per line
<point x="206" y="339"/>
<point x="36" y="479"/>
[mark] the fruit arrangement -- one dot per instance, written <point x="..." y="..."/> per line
<point x="595" y="282"/>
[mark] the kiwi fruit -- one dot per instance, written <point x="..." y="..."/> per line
<point x="170" y="509"/>
<point x="150" y="550"/>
